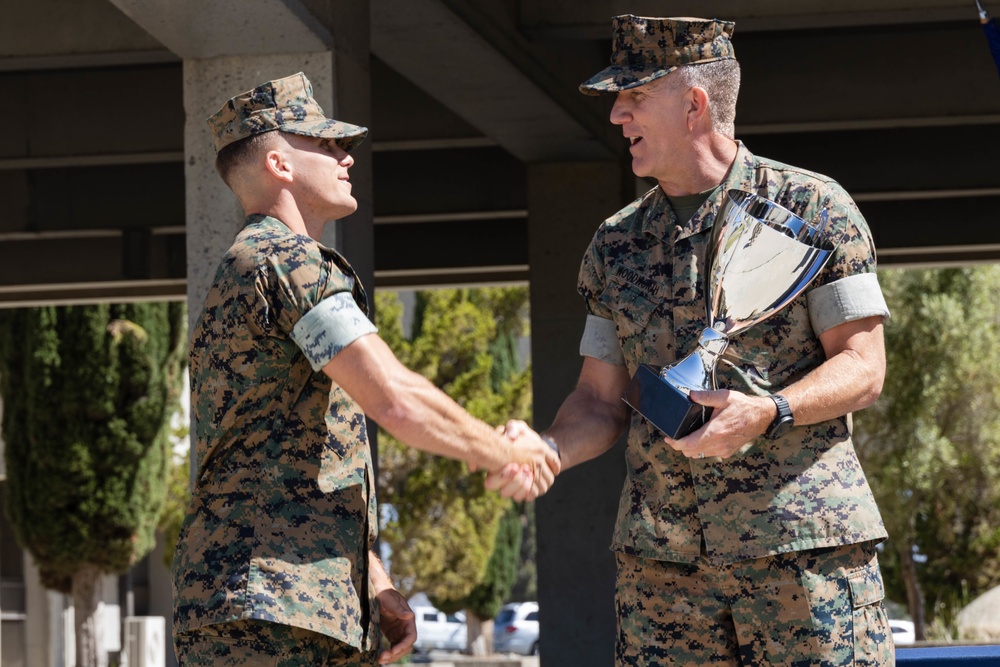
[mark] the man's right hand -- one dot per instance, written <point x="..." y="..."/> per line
<point x="525" y="479"/>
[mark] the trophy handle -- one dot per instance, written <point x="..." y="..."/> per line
<point x="697" y="370"/>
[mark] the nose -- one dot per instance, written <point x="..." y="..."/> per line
<point x="347" y="161"/>
<point x="620" y="112"/>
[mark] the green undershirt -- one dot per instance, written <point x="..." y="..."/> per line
<point x="686" y="205"/>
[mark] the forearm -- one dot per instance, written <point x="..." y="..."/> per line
<point x="380" y="580"/>
<point x="593" y="417"/>
<point x="849" y="380"/>
<point x="846" y="383"/>
<point x="422" y="416"/>
<point x="426" y="418"/>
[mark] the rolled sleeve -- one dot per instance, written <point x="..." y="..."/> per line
<point x="850" y="298"/>
<point x="600" y="340"/>
<point x="329" y="327"/>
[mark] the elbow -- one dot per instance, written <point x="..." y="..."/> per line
<point x="872" y="391"/>
<point x="394" y="414"/>
<point x="397" y="412"/>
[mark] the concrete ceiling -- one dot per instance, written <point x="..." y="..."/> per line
<point x="900" y="101"/>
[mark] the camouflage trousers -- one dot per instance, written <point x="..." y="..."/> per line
<point x="821" y="608"/>
<point x="254" y="643"/>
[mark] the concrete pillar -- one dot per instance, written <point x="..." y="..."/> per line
<point x="566" y="203"/>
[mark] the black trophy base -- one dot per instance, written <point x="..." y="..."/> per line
<point x="664" y="405"/>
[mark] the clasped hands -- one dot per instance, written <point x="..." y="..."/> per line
<point x="534" y="468"/>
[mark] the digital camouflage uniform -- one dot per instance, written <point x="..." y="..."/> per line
<point x="263" y="644"/>
<point x="644" y="271"/>
<point x="805" y="490"/>
<point x="766" y="557"/>
<point x="283" y="510"/>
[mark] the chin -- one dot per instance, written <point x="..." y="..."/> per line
<point x="346" y="208"/>
<point x="639" y="169"/>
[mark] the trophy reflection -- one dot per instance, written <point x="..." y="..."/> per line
<point x="760" y="257"/>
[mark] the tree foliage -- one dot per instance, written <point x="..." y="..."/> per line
<point x="444" y="535"/>
<point x="178" y="496"/>
<point x="931" y="444"/>
<point x="88" y="393"/>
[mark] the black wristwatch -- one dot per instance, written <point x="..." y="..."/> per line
<point x="784" y="421"/>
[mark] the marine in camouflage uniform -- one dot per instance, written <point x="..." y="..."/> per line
<point x="256" y="529"/>
<point x="643" y="276"/>
<point x="273" y="561"/>
<point x="761" y="552"/>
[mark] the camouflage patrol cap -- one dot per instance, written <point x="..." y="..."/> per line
<point x="283" y="104"/>
<point x="647" y="48"/>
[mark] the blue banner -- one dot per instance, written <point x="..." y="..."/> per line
<point x="992" y="30"/>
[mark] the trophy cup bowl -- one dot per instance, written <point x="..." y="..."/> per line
<point x="760" y="256"/>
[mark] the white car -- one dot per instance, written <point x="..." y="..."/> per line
<point x="515" y="629"/>
<point x="437" y="630"/>
<point x="902" y="632"/>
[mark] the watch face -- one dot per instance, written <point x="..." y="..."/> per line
<point x="780" y="429"/>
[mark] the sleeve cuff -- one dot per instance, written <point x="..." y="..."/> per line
<point x="852" y="298"/>
<point x="329" y="327"/>
<point x="600" y="340"/>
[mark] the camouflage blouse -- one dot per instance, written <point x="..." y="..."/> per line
<point x="645" y="271"/>
<point x="283" y="508"/>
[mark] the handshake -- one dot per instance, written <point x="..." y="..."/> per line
<point x="534" y="463"/>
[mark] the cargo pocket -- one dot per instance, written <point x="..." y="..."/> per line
<point x="872" y="636"/>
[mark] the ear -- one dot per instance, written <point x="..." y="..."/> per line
<point x="697" y="108"/>
<point x="278" y="164"/>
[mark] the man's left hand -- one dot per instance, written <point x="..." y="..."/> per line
<point x="399" y="625"/>
<point x="736" y="420"/>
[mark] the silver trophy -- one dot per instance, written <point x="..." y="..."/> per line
<point x="760" y="257"/>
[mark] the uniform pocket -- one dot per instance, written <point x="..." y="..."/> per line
<point x="866" y="585"/>
<point x="632" y="309"/>
<point x="872" y="636"/>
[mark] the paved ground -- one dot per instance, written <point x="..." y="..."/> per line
<point x="450" y="659"/>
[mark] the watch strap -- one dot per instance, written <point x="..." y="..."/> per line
<point x="784" y="419"/>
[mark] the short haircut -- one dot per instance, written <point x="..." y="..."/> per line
<point x="239" y="153"/>
<point x="721" y="81"/>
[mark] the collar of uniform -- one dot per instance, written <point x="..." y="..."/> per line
<point x="262" y="221"/>
<point x="658" y="217"/>
<point x="660" y="221"/>
<point x="741" y="175"/>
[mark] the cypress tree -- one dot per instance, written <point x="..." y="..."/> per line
<point x="88" y="393"/>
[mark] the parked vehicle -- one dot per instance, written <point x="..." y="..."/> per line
<point x="438" y="630"/>
<point x="515" y="629"/>
<point x="902" y="632"/>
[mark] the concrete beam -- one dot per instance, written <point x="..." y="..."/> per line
<point x="428" y="43"/>
<point x="881" y="78"/>
<point x="194" y="29"/>
<point x="572" y="19"/>
<point x="71" y="28"/>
